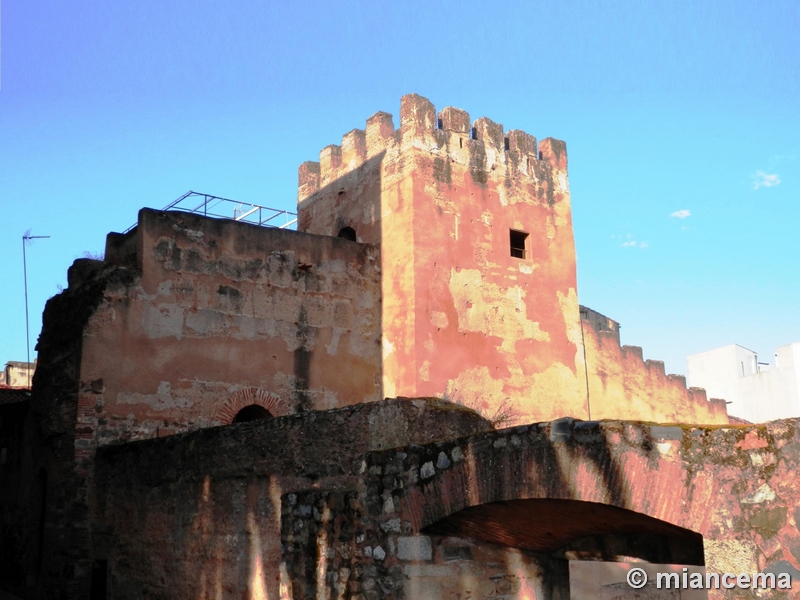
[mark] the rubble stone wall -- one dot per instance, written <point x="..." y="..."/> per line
<point x="199" y="514"/>
<point x="735" y="486"/>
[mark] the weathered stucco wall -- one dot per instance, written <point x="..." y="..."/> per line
<point x="461" y="315"/>
<point x="198" y="515"/>
<point x="227" y="314"/>
<point x="621" y="383"/>
<point x="568" y="489"/>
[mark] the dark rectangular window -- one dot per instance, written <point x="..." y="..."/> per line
<point x="518" y="241"/>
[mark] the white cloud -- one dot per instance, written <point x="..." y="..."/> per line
<point x="681" y="214"/>
<point x="634" y="244"/>
<point x="762" y="179"/>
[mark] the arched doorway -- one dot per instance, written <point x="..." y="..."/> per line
<point x="245" y="398"/>
<point x="252" y="412"/>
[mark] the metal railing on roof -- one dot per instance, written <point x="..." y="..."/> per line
<point x="225" y="208"/>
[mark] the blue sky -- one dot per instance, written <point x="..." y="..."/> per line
<point x="682" y="123"/>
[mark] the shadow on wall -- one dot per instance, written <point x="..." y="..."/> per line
<point x="529" y="544"/>
<point x="535" y="538"/>
<point x="527" y="500"/>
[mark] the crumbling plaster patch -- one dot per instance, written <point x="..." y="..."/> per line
<point x="163" y="399"/>
<point x="476" y="387"/>
<point x="488" y="308"/>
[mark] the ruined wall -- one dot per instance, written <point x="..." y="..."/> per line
<point x="50" y="531"/>
<point x="226" y="314"/>
<point x="296" y="511"/>
<point x="461" y="315"/>
<point x="553" y="488"/>
<point x="622" y="383"/>
<point x="329" y="553"/>
<point x="187" y="321"/>
<point x="198" y="515"/>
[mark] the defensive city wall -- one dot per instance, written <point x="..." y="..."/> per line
<point x="618" y="378"/>
<point x="435" y="261"/>
<point x="188" y="323"/>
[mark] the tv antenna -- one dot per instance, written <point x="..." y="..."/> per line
<point x="27" y="239"/>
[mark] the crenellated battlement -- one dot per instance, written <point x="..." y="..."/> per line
<point x="481" y="144"/>
<point x="618" y="376"/>
<point x="474" y="224"/>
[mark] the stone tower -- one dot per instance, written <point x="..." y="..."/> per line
<point x="478" y="269"/>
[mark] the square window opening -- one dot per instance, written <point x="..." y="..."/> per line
<point x="519" y="241"/>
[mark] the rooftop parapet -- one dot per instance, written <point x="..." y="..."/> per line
<point x="482" y="144"/>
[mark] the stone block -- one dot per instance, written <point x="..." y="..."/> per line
<point x="415" y="548"/>
<point x="659" y="432"/>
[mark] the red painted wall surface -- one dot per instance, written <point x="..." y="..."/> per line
<point x="461" y="317"/>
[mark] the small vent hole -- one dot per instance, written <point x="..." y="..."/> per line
<point x="347" y="233"/>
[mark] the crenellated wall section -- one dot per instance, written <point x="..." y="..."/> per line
<point x="620" y="381"/>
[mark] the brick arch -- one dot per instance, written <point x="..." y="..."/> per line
<point x="251" y="395"/>
<point x="631" y="466"/>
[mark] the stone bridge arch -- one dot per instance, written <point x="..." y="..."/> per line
<point x="506" y="512"/>
<point x="499" y="511"/>
<point x="632" y="466"/>
<point x="727" y="494"/>
<point x="574" y="529"/>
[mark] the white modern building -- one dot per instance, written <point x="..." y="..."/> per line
<point x="755" y="391"/>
